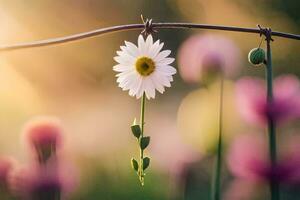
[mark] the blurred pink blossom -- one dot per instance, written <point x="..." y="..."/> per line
<point x="252" y="103"/>
<point x="289" y="168"/>
<point x="43" y="131"/>
<point x="6" y="166"/>
<point x="44" y="136"/>
<point x="35" y="181"/>
<point x="247" y="159"/>
<point x="205" y="55"/>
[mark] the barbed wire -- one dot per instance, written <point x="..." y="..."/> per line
<point x="101" y="31"/>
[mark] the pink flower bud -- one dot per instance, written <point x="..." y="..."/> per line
<point x="201" y="57"/>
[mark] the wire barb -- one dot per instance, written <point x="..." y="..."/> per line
<point x="148" y="29"/>
<point x="267" y="32"/>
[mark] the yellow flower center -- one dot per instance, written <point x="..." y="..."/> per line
<point x="145" y="66"/>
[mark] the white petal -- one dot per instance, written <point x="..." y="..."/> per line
<point x="133" y="91"/>
<point x="122" y="68"/>
<point x="149" y="40"/>
<point x="166" y="61"/>
<point x="163" y="79"/>
<point x="129" y="82"/>
<point x="141" y="45"/>
<point x="170" y="78"/>
<point x="132" y="49"/>
<point x="140" y="40"/>
<point x="140" y="89"/>
<point x="124" y="84"/>
<point x="149" y="43"/>
<point x="154" y="50"/>
<point x="166" y="69"/>
<point x="124" y="60"/>
<point x="126" y="56"/>
<point x="157" y="85"/>
<point x="166" y="82"/>
<point x="149" y="88"/>
<point x="162" y="55"/>
<point x="124" y="75"/>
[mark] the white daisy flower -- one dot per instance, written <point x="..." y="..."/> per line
<point x="144" y="68"/>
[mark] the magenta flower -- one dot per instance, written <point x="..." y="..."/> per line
<point x="45" y="187"/>
<point x="203" y="56"/>
<point x="37" y="182"/>
<point x="247" y="159"/>
<point x="6" y="166"/>
<point x="44" y="135"/>
<point x="252" y="103"/>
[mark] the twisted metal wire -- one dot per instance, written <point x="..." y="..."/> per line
<point x="147" y="27"/>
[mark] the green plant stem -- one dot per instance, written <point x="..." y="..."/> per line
<point x="216" y="184"/>
<point x="274" y="186"/>
<point x="142" y="123"/>
<point x="58" y="196"/>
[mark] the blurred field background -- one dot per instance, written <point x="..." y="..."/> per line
<point x="75" y="82"/>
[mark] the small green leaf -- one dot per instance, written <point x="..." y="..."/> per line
<point x="144" y="142"/>
<point x="146" y="163"/>
<point x="134" y="164"/>
<point x="136" y="130"/>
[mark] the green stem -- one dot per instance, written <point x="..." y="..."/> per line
<point x="216" y="186"/>
<point x="142" y="123"/>
<point x="274" y="186"/>
<point x="58" y="195"/>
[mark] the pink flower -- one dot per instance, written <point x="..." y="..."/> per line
<point x="6" y="166"/>
<point x="44" y="135"/>
<point x="37" y="182"/>
<point x="203" y="56"/>
<point x="247" y="159"/>
<point x="252" y="103"/>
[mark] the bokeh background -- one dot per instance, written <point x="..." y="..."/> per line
<point x="75" y="82"/>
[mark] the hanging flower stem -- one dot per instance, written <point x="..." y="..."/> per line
<point x="138" y="132"/>
<point x="216" y="184"/>
<point x="274" y="186"/>
<point x="142" y="123"/>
